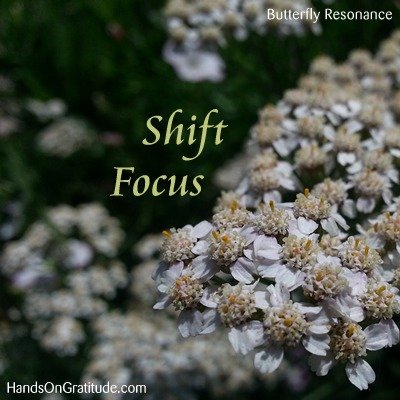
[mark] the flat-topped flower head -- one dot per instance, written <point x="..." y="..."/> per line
<point x="372" y="113"/>
<point x="308" y="82"/>
<point x="356" y="255"/>
<point x="266" y="134"/>
<point x="226" y="199"/>
<point x="236" y="304"/>
<point x="296" y="97"/>
<point x="380" y="300"/>
<point x="186" y="292"/>
<point x="310" y="211"/>
<point x="311" y="127"/>
<point x="348" y="342"/>
<point x="330" y="245"/>
<point x="178" y="8"/>
<point x="211" y="34"/>
<point x="334" y="192"/>
<point x="378" y="160"/>
<point x="360" y="58"/>
<point x="299" y="252"/>
<point x="226" y="250"/>
<point x="369" y="186"/>
<point x="271" y="220"/>
<point x="234" y="216"/>
<point x="391" y="140"/>
<point x="388" y="51"/>
<point x="310" y="158"/>
<point x="311" y="207"/>
<point x="396" y="278"/>
<point x="183" y="287"/>
<point x="345" y="74"/>
<point x="285" y="325"/>
<point x="271" y="114"/>
<point x="339" y="132"/>
<point x="324" y="281"/>
<point x="324" y="96"/>
<point x="346" y="142"/>
<point x="263" y="180"/>
<point x="266" y="160"/>
<point x="226" y="246"/>
<point x="389" y="227"/>
<point x="322" y="66"/>
<point x="179" y="243"/>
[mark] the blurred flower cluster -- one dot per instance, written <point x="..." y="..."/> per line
<point x="67" y="267"/>
<point x="304" y="253"/>
<point x="198" y="28"/>
<point x="299" y="259"/>
<point x="136" y="346"/>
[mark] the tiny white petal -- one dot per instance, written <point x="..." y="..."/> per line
<point x="321" y="364"/>
<point x="316" y="344"/>
<point x="360" y="374"/>
<point x="268" y="360"/>
<point x="210" y="322"/>
<point x="200" y="247"/>
<point x="190" y="323"/>
<point x="392" y="331"/>
<point x="246" y="337"/>
<point x="376" y="337"/>
<point x="202" y="229"/>
<point x="208" y="297"/>
<point x="243" y="270"/>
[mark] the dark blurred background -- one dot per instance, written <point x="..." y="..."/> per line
<point x="103" y="58"/>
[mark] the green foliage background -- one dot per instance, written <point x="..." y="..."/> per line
<point x="62" y="48"/>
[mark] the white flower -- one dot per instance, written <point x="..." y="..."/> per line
<point x="266" y="179"/>
<point x="285" y="263"/>
<point x="380" y="299"/>
<point x="78" y="254"/>
<point x="370" y="186"/>
<point x="46" y="110"/>
<point x="271" y="220"/>
<point x="336" y="194"/>
<point x="326" y="279"/>
<point x="233" y="307"/>
<point x="357" y="255"/>
<point x="345" y="142"/>
<point x="195" y="65"/>
<point x="288" y="325"/>
<point x="227" y="250"/>
<point x="183" y="288"/>
<point x="310" y="211"/>
<point x="179" y="243"/>
<point x="349" y="344"/>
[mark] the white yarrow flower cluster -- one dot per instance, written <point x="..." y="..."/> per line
<point x="197" y="29"/>
<point x="65" y="136"/>
<point x="65" y="265"/>
<point x="317" y="270"/>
